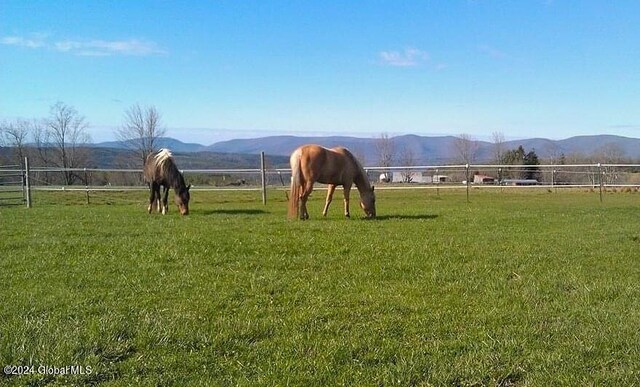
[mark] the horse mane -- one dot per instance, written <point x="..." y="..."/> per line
<point x="162" y="156"/>
<point x="168" y="170"/>
<point x="360" y="179"/>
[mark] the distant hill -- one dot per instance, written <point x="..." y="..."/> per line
<point x="217" y="160"/>
<point x="586" y="144"/>
<point x="100" y="157"/>
<point x="431" y="150"/>
<point x="163" y="142"/>
<point x="284" y="145"/>
<point x="425" y="149"/>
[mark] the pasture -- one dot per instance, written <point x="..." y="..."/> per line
<point x="513" y="288"/>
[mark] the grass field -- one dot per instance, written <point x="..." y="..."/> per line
<point x="514" y="288"/>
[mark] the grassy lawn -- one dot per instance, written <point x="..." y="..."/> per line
<point x="513" y="288"/>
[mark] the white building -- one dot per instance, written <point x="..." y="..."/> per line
<point x="417" y="177"/>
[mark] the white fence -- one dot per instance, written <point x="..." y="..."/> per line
<point x="595" y="176"/>
<point x="14" y="184"/>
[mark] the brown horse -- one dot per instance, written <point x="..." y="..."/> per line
<point x="161" y="170"/>
<point x="336" y="166"/>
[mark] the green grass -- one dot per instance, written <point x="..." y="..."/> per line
<point x="513" y="288"/>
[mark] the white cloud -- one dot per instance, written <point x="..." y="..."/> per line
<point x="410" y="57"/>
<point x="35" y="41"/>
<point x="130" y="47"/>
<point x="492" y="52"/>
<point x="65" y="46"/>
<point x="441" y="66"/>
<point x="133" y="47"/>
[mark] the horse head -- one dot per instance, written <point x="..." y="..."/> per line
<point x="368" y="202"/>
<point x="182" y="200"/>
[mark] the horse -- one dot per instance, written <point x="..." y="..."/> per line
<point x="160" y="170"/>
<point x="336" y="166"/>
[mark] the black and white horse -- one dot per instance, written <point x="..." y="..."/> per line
<point x="160" y="170"/>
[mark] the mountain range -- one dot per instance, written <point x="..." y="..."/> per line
<point x="425" y="150"/>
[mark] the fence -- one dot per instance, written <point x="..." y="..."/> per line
<point x="14" y="184"/>
<point x="553" y="177"/>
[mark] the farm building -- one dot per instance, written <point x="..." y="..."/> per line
<point x="483" y="179"/>
<point x="417" y="177"/>
<point x="408" y="177"/>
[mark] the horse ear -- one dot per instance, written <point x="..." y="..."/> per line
<point x="189" y="186"/>
<point x="373" y="187"/>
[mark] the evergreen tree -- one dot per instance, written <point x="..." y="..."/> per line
<point x="531" y="171"/>
<point x="529" y="160"/>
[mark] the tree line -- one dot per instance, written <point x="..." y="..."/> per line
<point x="520" y="163"/>
<point x="61" y="139"/>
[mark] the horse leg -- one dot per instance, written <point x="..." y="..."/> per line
<point x="152" y="196"/>
<point x="165" y="198"/>
<point x="158" y="202"/>
<point x="306" y="191"/>
<point x="347" y="190"/>
<point x="330" y="189"/>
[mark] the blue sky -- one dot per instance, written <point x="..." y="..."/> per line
<point x="218" y="70"/>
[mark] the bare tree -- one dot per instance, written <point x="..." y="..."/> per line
<point x="141" y="130"/>
<point x="65" y="139"/>
<point x="556" y="157"/>
<point x="498" y="146"/>
<point x="580" y="175"/>
<point x="466" y="148"/>
<point x="554" y="153"/>
<point x="610" y="153"/>
<point x="41" y="143"/>
<point x="385" y="148"/>
<point x="407" y="159"/>
<point x="14" y="134"/>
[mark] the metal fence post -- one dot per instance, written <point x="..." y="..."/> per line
<point x="86" y="184"/>
<point x="467" y="173"/>
<point x="264" y="178"/>
<point x="27" y="182"/>
<point x="600" y="178"/>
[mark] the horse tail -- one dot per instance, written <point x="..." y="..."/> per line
<point x="296" y="184"/>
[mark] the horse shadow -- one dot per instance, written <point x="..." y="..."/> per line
<point x="406" y="217"/>
<point x="234" y="211"/>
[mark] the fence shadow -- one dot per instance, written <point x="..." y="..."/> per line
<point x="234" y="211"/>
<point x="406" y="217"/>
